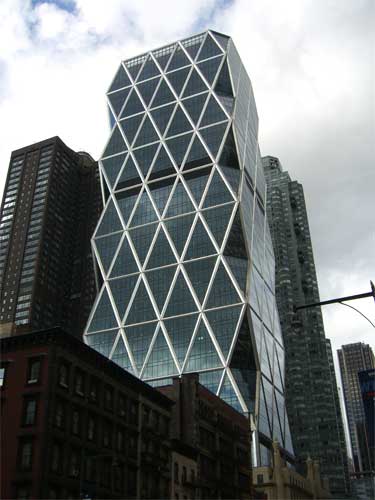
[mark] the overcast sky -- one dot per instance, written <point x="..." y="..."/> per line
<point x="312" y="70"/>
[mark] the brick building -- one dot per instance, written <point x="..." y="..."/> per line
<point x="75" y="423"/>
<point x="217" y="464"/>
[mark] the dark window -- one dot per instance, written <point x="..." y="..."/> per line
<point x="133" y="412"/>
<point x="91" y="428"/>
<point x="259" y="478"/>
<point x="60" y="415"/>
<point x="192" y="475"/>
<point x="74" y="463"/>
<point x="63" y="375"/>
<point x="33" y="371"/>
<point x="122" y="406"/>
<point x="107" y="435"/>
<point x="26" y="455"/>
<point x="184" y="474"/>
<point x="29" y="413"/>
<point x="120" y="440"/>
<point x="79" y="383"/>
<point x="93" y="390"/>
<point x="108" y="398"/>
<point x="56" y="459"/>
<point x="76" y="422"/>
<point x="176" y="472"/>
<point x="2" y="376"/>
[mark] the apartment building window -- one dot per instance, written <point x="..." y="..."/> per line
<point x="79" y="383"/>
<point x="76" y="422"/>
<point x="26" y="455"/>
<point x="63" y="375"/>
<point x="34" y="369"/>
<point x="29" y="412"/>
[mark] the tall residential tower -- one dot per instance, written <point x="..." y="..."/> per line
<point x="354" y="358"/>
<point x="311" y="389"/>
<point x="50" y="207"/>
<point x="183" y="247"/>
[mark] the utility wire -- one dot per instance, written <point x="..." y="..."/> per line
<point x="359" y="312"/>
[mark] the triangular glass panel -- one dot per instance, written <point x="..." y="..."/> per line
<point x="243" y="366"/>
<point x="129" y="175"/>
<point x="239" y="269"/>
<point x="197" y="155"/>
<point x="116" y="143"/>
<point x="228" y="394"/>
<point x="179" y="229"/>
<point x="104" y="317"/>
<point x="228" y="157"/>
<point x="161" y="116"/>
<point x="222" y="291"/>
<point x="125" y="262"/>
<point x="177" y="79"/>
<point x="141" y="238"/>
<point x="110" y="221"/>
<point x="200" y="273"/>
<point x="147" y="133"/>
<point x="106" y="248"/>
<point x="139" y="340"/>
<point x="217" y="193"/>
<point x="121" y="79"/>
<point x="192" y="45"/>
<point x="209" y="68"/>
<point x="180" y="202"/>
<point x="209" y="49"/>
<point x="180" y="331"/>
<point x="160" y="362"/>
<point x="149" y="70"/>
<point x="194" y="106"/>
<point x="218" y="220"/>
<point x="211" y="380"/>
<point x="197" y="181"/>
<point x="223" y="323"/>
<point x="163" y="95"/>
<point x="134" y="66"/>
<point x="147" y="89"/>
<point x="213" y="113"/>
<point x="161" y="254"/>
<point x="160" y="192"/>
<point x="112" y="119"/>
<point x="141" y="309"/>
<point x="120" y="356"/>
<point x="181" y="300"/>
<point x="223" y="88"/>
<point x="117" y="99"/>
<point x="160" y="282"/>
<point x="126" y="201"/>
<point x="203" y="354"/>
<point x="133" y="105"/>
<point x="144" y="157"/>
<point x="179" y="123"/>
<point x="178" y="146"/>
<point x="163" y="55"/>
<point x="112" y="167"/>
<point x="213" y="137"/>
<point x="162" y="166"/>
<point x="195" y="84"/>
<point x="264" y="422"/>
<point x="232" y="176"/>
<point x="200" y="244"/>
<point x="122" y="290"/>
<point x="178" y="60"/>
<point x="130" y="127"/>
<point x="145" y="212"/>
<point x="222" y="39"/>
<point x="102" y="342"/>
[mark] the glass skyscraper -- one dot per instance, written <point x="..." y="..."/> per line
<point x="183" y="249"/>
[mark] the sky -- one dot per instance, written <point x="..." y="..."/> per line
<point x="312" y="68"/>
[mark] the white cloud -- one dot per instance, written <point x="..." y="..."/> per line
<point x="310" y="65"/>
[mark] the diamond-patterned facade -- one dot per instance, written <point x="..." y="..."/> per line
<point x="181" y="245"/>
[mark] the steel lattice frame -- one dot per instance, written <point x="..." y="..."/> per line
<point x="183" y="248"/>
